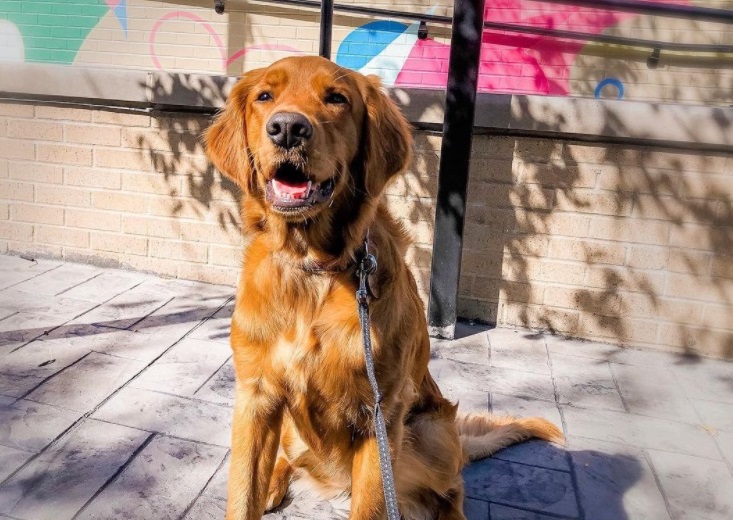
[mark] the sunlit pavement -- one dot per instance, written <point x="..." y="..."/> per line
<point x="116" y="391"/>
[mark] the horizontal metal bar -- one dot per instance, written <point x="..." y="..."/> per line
<point x="690" y="12"/>
<point x="523" y="29"/>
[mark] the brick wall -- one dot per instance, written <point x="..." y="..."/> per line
<point x="623" y="244"/>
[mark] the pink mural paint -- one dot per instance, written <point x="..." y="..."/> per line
<point x="513" y="62"/>
<point x="225" y="60"/>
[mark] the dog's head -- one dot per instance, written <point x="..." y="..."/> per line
<point x="304" y="132"/>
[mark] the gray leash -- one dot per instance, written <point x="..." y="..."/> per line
<point x="368" y="265"/>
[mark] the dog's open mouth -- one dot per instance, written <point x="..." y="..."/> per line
<point x="291" y="190"/>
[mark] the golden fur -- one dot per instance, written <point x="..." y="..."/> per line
<point x="303" y="402"/>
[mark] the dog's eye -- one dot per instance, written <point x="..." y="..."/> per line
<point x="336" y="98"/>
<point x="265" y="96"/>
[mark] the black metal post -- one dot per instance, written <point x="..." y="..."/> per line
<point x="324" y="48"/>
<point x="455" y="157"/>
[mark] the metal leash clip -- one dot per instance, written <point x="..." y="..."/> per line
<point x="367" y="267"/>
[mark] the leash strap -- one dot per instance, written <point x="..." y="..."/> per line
<point x="367" y="266"/>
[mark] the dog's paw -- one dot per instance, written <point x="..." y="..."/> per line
<point x="276" y="494"/>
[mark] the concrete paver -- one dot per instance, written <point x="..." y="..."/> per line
<point x="116" y="391"/>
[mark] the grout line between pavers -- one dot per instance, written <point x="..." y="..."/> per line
<point x="530" y="510"/>
<point x="101" y="403"/>
<point x="714" y="437"/>
<point x="43" y="381"/>
<point x="568" y="458"/>
<point x="48" y="331"/>
<point x="212" y="375"/>
<point x="618" y="388"/>
<point x="658" y="482"/>
<point x="116" y="474"/>
<point x="78" y="284"/>
<point x="32" y="277"/>
<point x="527" y="464"/>
<point x="203" y="488"/>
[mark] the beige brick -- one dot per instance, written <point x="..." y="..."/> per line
<point x="478" y="262"/>
<point x="35" y="130"/>
<point x="413" y="185"/>
<point x="420" y="257"/>
<point x="652" y="232"/>
<point x="4" y="211"/>
<point x="559" y="224"/>
<point x="703" y="340"/>
<point x="64" y="196"/>
<point x="538" y="150"/>
<point x="538" y="317"/>
<point x="208" y="273"/>
<point x="36" y="250"/>
<point x="210" y="233"/>
<point x="16" y="231"/>
<point x="162" y="140"/>
<point x="488" y="169"/>
<point x="151" y="265"/>
<point x="691" y="287"/>
<point x="635" y="179"/>
<point x="62" y="112"/>
<point x="92" y="219"/>
<point x="92" y="177"/>
<point x="154" y="183"/>
<point x="3" y="168"/>
<point x="686" y="261"/>
<point x="602" y="302"/>
<point x="16" y="149"/>
<point x="587" y="251"/>
<point x="528" y="196"/>
<point x="37" y="213"/>
<point x="34" y="172"/>
<point x="526" y="245"/>
<point x="558" y="174"/>
<point x="65" y="154"/>
<point x="474" y="309"/>
<point x="722" y="266"/>
<point x="14" y="109"/>
<point x="89" y="256"/>
<point x="121" y="118"/>
<point x="718" y="316"/>
<point x="518" y="292"/>
<point x="118" y="243"/>
<point x="188" y="251"/>
<point x="120" y="201"/>
<point x="226" y="256"/>
<point x="62" y="236"/>
<point x="583" y="200"/>
<point x="624" y="278"/>
<point x="154" y="227"/>
<point x="123" y="159"/>
<point x="476" y="236"/>
<point x="92" y="134"/>
<point x="11" y="190"/>
<point x="641" y="257"/>
<point x="706" y="237"/>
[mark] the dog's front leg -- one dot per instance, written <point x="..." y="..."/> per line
<point x="367" y="495"/>
<point x="255" y="438"/>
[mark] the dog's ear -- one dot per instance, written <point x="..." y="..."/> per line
<point x="226" y="138"/>
<point x="387" y="138"/>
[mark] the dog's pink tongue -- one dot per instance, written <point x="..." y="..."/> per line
<point x="297" y="190"/>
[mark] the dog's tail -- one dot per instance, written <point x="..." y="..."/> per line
<point x="483" y="434"/>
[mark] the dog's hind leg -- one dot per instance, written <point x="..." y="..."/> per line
<point x="279" y="482"/>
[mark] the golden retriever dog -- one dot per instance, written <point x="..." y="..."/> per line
<point x="312" y="146"/>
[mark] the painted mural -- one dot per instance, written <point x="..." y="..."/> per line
<point x="145" y="34"/>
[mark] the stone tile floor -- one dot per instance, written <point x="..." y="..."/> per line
<point x="116" y="390"/>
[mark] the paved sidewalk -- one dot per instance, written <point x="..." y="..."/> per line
<point x="116" y="391"/>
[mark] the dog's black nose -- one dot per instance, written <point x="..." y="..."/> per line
<point x="289" y="129"/>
